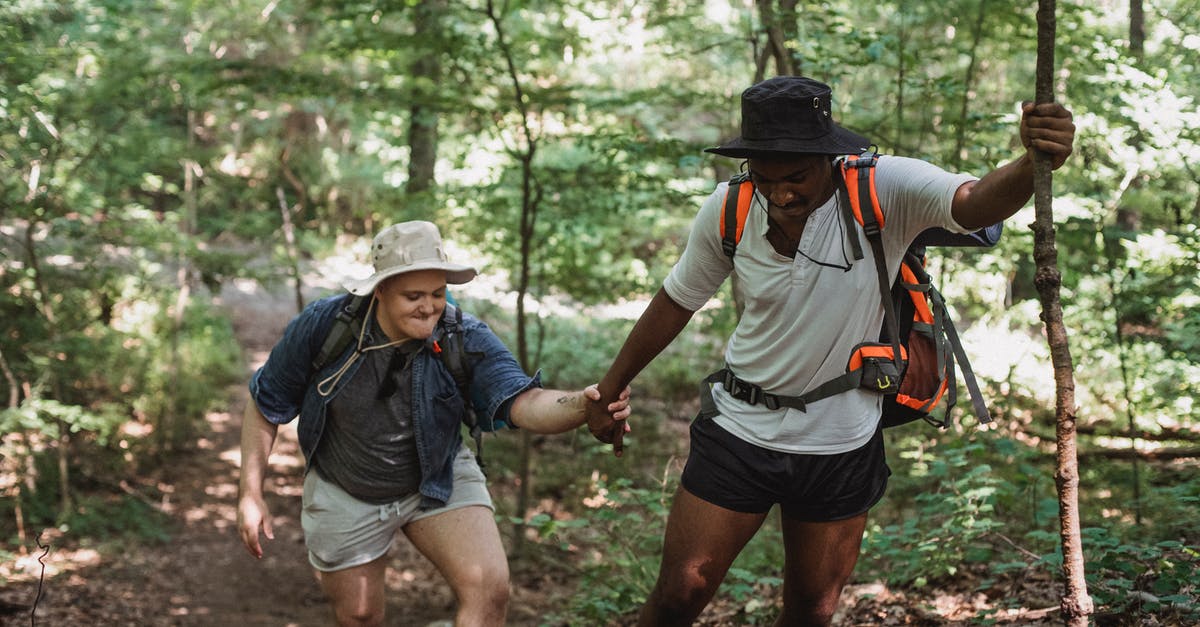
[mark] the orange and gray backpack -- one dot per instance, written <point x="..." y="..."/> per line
<point x="912" y="364"/>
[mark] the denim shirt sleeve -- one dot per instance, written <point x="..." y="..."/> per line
<point x="278" y="387"/>
<point x="496" y="379"/>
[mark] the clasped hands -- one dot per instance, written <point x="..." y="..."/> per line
<point x="607" y="423"/>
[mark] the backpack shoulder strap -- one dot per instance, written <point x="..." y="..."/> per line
<point x="346" y="324"/>
<point x="452" y="351"/>
<point x="450" y="348"/>
<point x="858" y="175"/>
<point x="981" y="410"/>
<point x="738" y="197"/>
<point x="846" y="206"/>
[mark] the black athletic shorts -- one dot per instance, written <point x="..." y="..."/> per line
<point x="732" y="473"/>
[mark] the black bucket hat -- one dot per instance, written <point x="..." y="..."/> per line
<point x="790" y="115"/>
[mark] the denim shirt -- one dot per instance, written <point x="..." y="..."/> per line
<point x="285" y="387"/>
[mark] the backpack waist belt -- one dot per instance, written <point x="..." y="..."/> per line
<point x="752" y="394"/>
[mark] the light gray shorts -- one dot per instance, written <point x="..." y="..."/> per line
<point x="342" y="532"/>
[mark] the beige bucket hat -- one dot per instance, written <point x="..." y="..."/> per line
<point x="409" y="247"/>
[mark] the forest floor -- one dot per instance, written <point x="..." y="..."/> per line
<point x="202" y="576"/>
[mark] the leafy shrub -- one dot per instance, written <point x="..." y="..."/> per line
<point x="627" y="522"/>
<point x="174" y="390"/>
<point x="754" y="582"/>
<point x="1162" y="579"/>
<point x="115" y="375"/>
<point x="117" y="518"/>
<point x="949" y="525"/>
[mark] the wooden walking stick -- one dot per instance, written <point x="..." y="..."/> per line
<point x="1076" y="604"/>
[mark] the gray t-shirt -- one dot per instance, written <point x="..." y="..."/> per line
<point x="369" y="447"/>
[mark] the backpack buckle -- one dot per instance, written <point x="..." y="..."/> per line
<point x="750" y="393"/>
<point x="865" y="160"/>
<point x="741" y="390"/>
<point x="733" y="385"/>
<point x="770" y="401"/>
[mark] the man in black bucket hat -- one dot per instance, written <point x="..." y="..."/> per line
<point x="808" y="305"/>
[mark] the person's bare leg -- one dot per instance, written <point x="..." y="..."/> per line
<point x="701" y="542"/>
<point x="820" y="558"/>
<point x="356" y="593"/>
<point x="465" y="546"/>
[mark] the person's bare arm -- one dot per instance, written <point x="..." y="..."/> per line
<point x="1000" y="193"/>
<point x="258" y="437"/>
<point x="557" y="411"/>
<point x="654" y="331"/>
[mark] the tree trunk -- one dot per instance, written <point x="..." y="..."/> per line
<point x="789" y="25"/>
<point x="14" y="391"/>
<point x="1076" y="604"/>
<point x="531" y="198"/>
<point x="425" y="73"/>
<point x="781" y="27"/>
<point x="901" y="45"/>
<point x="1130" y="413"/>
<point x="170" y="428"/>
<point x="960" y="139"/>
<point x="14" y="399"/>
<point x="289" y="242"/>
<point x="63" y="441"/>
<point x="1137" y="29"/>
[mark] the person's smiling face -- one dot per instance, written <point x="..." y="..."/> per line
<point x="793" y="186"/>
<point x="411" y="304"/>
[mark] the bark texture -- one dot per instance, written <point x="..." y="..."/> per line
<point x="1076" y="604"/>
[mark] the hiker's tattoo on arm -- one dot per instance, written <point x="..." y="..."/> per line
<point x="565" y="399"/>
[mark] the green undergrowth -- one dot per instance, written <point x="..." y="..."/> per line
<point x="965" y="507"/>
<point x="983" y="508"/>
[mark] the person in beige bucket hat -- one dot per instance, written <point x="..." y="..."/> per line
<point x="380" y="426"/>
<point x="807" y="307"/>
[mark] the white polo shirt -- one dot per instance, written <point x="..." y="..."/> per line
<point x="802" y="319"/>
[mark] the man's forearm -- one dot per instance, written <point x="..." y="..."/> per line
<point x="996" y="196"/>
<point x="654" y="331"/>
<point x="258" y="436"/>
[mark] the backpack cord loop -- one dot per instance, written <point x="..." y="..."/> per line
<point x="326" y="386"/>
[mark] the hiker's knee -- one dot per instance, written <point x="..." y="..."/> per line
<point x="483" y="592"/>
<point x="356" y="594"/>
<point x="484" y="579"/>
<point x="356" y="607"/>
<point x="493" y="594"/>
<point x="483" y="607"/>
<point x="679" y="598"/>
<point x="815" y="610"/>
<point x="358" y="614"/>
